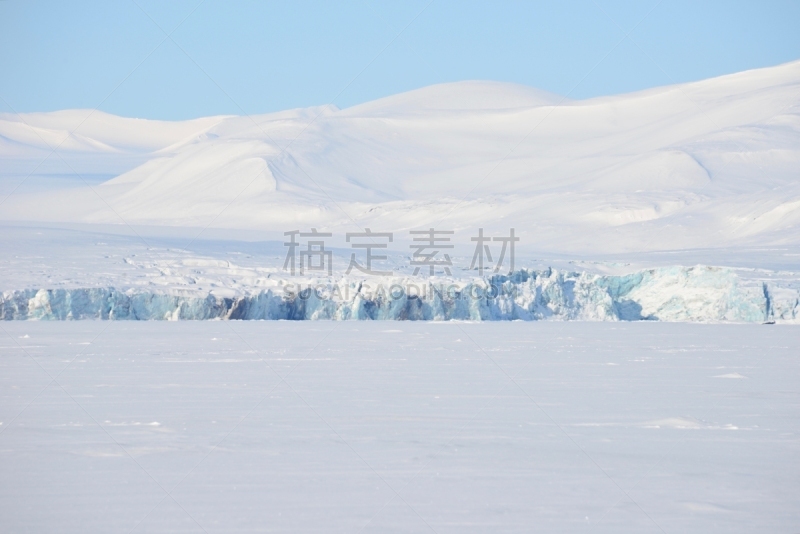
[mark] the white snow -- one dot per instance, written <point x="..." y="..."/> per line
<point x="340" y="427"/>
<point x="703" y="164"/>
<point x="576" y="410"/>
<point x="704" y="174"/>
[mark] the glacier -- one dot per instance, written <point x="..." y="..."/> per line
<point x="673" y="294"/>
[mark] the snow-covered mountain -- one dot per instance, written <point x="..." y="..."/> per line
<point x="702" y="164"/>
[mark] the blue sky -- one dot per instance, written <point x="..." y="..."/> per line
<point x="260" y="56"/>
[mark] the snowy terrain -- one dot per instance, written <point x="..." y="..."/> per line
<point x="575" y="410"/>
<point x="66" y="274"/>
<point x="675" y="203"/>
<point x="398" y="427"/>
<point x="701" y="164"/>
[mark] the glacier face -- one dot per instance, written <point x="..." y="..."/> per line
<point x="675" y="294"/>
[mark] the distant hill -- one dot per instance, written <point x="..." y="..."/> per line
<point x="702" y="164"/>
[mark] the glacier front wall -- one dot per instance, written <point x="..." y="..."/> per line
<point x="666" y="294"/>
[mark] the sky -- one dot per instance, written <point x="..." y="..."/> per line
<point x="179" y="60"/>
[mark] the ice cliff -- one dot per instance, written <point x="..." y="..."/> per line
<point x="698" y="293"/>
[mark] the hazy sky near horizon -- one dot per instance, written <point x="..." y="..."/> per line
<point x="185" y="59"/>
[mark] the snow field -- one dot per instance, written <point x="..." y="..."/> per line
<point x="406" y="427"/>
<point x="704" y="164"/>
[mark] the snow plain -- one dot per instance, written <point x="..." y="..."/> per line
<point x="399" y="427"/>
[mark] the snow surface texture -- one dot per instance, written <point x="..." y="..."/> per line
<point x="668" y="294"/>
<point x="228" y="427"/>
<point x="704" y="164"/>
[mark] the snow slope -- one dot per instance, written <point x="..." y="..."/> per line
<point x="703" y="164"/>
